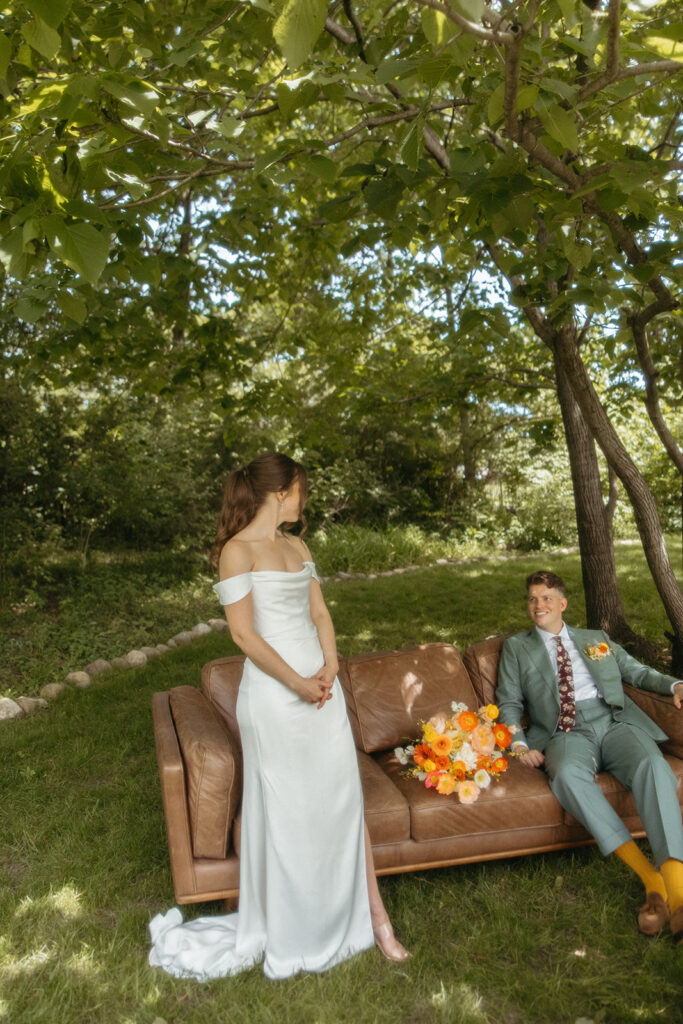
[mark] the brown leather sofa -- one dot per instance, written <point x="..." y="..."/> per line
<point x="411" y="828"/>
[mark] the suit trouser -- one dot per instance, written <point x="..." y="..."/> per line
<point x="600" y="742"/>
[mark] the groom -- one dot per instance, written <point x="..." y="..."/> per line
<point x="581" y="722"/>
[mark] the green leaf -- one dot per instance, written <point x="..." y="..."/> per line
<point x="5" y="54"/>
<point x="437" y="27"/>
<point x="567" y="8"/>
<point x="321" y="167"/>
<point x="41" y="37"/>
<point x="495" y="105"/>
<point x="560" y="126"/>
<point x="30" y="309"/>
<point x="527" y="96"/>
<point x="470" y="9"/>
<point x="671" y="49"/>
<point x="411" y="143"/>
<point x="72" y="306"/>
<point x="82" y="247"/>
<point x="297" y="28"/>
<point x="229" y="127"/>
<point x="133" y="92"/>
<point x="51" y="11"/>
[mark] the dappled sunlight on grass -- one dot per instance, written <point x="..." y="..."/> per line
<point x="66" y="901"/>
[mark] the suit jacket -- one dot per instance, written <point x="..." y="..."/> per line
<point x="526" y="678"/>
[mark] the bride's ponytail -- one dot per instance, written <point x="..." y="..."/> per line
<point x="246" y="489"/>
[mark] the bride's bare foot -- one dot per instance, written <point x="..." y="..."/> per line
<point x="388" y="944"/>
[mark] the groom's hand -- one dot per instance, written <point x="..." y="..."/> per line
<point x="678" y="695"/>
<point x="532" y="758"/>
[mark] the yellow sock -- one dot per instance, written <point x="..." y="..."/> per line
<point x="647" y="872"/>
<point x="672" y="873"/>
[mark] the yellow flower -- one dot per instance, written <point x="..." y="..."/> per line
<point x="428" y="766"/>
<point x="491" y="711"/>
<point x="429" y="732"/>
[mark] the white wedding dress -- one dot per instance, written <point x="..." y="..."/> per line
<point x="303" y="902"/>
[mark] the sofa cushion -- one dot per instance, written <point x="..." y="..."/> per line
<point x="520" y="800"/>
<point x="389" y="693"/>
<point x="386" y="810"/>
<point x="212" y="768"/>
<point x="481" y="662"/>
<point x="220" y="683"/>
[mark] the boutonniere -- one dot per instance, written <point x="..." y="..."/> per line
<point x="596" y="652"/>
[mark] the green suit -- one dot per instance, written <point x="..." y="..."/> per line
<point x="611" y="733"/>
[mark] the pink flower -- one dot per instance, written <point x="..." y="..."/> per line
<point x="482" y="739"/>
<point x="468" y="792"/>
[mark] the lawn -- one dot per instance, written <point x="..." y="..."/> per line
<point x="84" y="865"/>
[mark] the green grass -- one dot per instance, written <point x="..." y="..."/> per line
<point x="545" y="939"/>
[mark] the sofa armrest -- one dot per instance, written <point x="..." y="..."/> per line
<point x="174" y="796"/>
<point x="662" y="710"/>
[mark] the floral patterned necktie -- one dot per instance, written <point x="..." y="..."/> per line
<point x="565" y="679"/>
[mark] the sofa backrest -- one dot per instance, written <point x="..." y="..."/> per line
<point x="481" y="662"/>
<point x="220" y="683"/>
<point x="389" y="693"/>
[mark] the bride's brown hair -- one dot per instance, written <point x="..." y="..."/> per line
<point x="247" y="489"/>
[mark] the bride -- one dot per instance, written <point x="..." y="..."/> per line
<point x="308" y="891"/>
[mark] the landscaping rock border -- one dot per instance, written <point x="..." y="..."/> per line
<point x="11" y="710"/>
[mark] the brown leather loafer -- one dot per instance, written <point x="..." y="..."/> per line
<point x="676" y="926"/>
<point x="654" y="914"/>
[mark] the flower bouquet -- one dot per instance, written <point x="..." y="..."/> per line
<point x="459" y="754"/>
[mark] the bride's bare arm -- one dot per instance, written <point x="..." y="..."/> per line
<point x="240" y="617"/>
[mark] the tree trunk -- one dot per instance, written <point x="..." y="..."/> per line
<point x="466" y="448"/>
<point x="604" y="608"/>
<point x="566" y="351"/>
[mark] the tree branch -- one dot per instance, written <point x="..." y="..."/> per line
<point x="491" y="35"/>
<point x="654" y="67"/>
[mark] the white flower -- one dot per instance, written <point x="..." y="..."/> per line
<point x="438" y="721"/>
<point x="458" y="706"/>
<point x="403" y="754"/>
<point x="468" y="756"/>
<point x="482" y="778"/>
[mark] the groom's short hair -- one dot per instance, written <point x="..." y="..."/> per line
<point x="546" y="579"/>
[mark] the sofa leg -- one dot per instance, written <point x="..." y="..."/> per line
<point x="230" y="904"/>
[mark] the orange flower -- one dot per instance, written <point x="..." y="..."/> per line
<point x="442" y="744"/>
<point x="445" y="785"/>
<point x="419" y="758"/>
<point x="502" y="735"/>
<point x="467" y="720"/>
<point x="442" y="763"/>
<point x="603" y="648"/>
<point x="499" y="765"/>
<point x="483" y="762"/>
<point x="424" y="749"/>
<point x="468" y="791"/>
<point x="459" y="770"/>
<point x="482" y="739"/>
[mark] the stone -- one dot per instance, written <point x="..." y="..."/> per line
<point x="171" y="643"/>
<point x="372" y="575"/>
<point x="151" y="652"/>
<point x="9" y="710"/>
<point x="183" y="638"/>
<point x="78" y="678"/>
<point x="442" y="561"/>
<point x="201" y="629"/>
<point x="98" y="666"/>
<point x="119" y="663"/>
<point x="344" y="576"/>
<point x="220" y="625"/>
<point x="83" y="684"/>
<point x="30" y="704"/>
<point x="162" y="648"/>
<point x="135" y="658"/>
<point x="52" y="690"/>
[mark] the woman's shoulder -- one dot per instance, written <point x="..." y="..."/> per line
<point x="236" y="558"/>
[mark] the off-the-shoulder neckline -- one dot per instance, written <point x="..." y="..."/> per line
<point x="258" y="572"/>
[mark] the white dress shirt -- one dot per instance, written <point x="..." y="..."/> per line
<point x="584" y="687"/>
